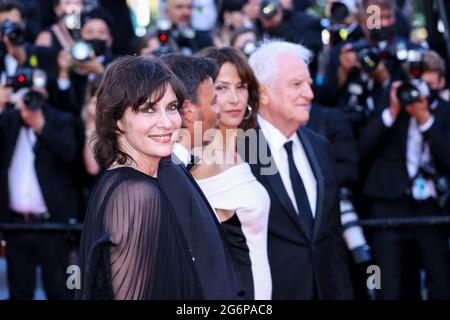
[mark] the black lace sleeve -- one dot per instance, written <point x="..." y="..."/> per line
<point x="132" y="219"/>
<point x="120" y="240"/>
<point x="132" y="246"/>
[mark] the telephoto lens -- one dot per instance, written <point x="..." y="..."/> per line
<point x="352" y="231"/>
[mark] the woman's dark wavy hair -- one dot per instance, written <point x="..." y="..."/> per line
<point x="238" y="59"/>
<point x="127" y="83"/>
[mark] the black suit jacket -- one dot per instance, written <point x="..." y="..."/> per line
<point x="213" y="260"/>
<point x="306" y="263"/>
<point x="56" y="149"/>
<point x="332" y="124"/>
<point x="384" y="152"/>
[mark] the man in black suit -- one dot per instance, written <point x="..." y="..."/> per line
<point x="179" y="13"/>
<point x="213" y="259"/>
<point x="37" y="149"/>
<point x="307" y="255"/>
<point x="399" y="145"/>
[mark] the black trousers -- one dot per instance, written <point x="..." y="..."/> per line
<point x="391" y="245"/>
<point x="24" y="252"/>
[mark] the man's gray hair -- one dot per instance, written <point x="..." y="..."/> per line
<point x="264" y="61"/>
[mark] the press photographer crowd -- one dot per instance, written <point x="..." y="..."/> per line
<point x="100" y="124"/>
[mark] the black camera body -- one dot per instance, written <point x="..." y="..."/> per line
<point x="441" y="183"/>
<point x="13" y="31"/>
<point x="23" y="82"/>
<point x="369" y="54"/>
<point x="179" y="39"/>
<point x="413" y="88"/>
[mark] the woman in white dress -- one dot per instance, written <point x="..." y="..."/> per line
<point x="241" y="203"/>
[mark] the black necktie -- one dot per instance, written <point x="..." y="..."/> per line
<point x="304" y="210"/>
<point x="192" y="163"/>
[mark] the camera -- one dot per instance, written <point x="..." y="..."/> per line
<point x="352" y="231"/>
<point x="23" y="82"/>
<point x="414" y="88"/>
<point x="340" y="10"/>
<point x="269" y="8"/>
<point x="370" y="54"/>
<point x="180" y="39"/>
<point x="441" y="183"/>
<point x="411" y="91"/>
<point x="72" y="21"/>
<point x="249" y="47"/>
<point x="14" y="32"/>
<point x="163" y="32"/>
<point x="81" y="51"/>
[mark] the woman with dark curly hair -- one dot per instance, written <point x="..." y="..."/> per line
<point x="132" y="246"/>
<point x="240" y="201"/>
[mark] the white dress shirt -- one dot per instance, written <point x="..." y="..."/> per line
<point x="415" y="155"/>
<point x="11" y="66"/>
<point x="276" y="141"/>
<point x="25" y="194"/>
<point x="181" y="153"/>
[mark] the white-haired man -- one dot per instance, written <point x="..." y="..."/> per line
<point x="306" y="252"/>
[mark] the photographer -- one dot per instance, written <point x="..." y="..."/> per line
<point x="61" y="34"/>
<point x="358" y="72"/>
<point x="180" y="36"/>
<point x="86" y="58"/>
<point x="37" y="148"/>
<point x="15" y="54"/>
<point x="406" y="153"/>
<point x="289" y="25"/>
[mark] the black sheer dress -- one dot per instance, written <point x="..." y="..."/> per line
<point x="132" y="246"/>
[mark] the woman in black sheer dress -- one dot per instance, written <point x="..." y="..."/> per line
<point x="132" y="246"/>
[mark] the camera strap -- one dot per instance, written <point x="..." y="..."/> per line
<point x="65" y="40"/>
<point x="422" y="186"/>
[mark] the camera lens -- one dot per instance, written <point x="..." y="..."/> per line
<point x="33" y="100"/>
<point x="268" y="8"/>
<point x="248" y="48"/>
<point x="81" y="51"/>
<point x="407" y="94"/>
<point x="339" y="12"/>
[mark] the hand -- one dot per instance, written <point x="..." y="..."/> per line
<point x="18" y="53"/>
<point x="65" y="61"/>
<point x="394" y="107"/>
<point x="5" y="96"/>
<point x="419" y="110"/>
<point x="90" y="66"/>
<point x="90" y="112"/>
<point x="380" y="74"/>
<point x="348" y="59"/>
<point x="33" y="118"/>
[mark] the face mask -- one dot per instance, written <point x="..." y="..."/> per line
<point x="99" y="46"/>
<point x="382" y="34"/>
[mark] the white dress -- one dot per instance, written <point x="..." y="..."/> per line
<point x="237" y="189"/>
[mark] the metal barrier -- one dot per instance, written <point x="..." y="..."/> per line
<point x="384" y="223"/>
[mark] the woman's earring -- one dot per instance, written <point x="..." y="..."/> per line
<point x="248" y="113"/>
